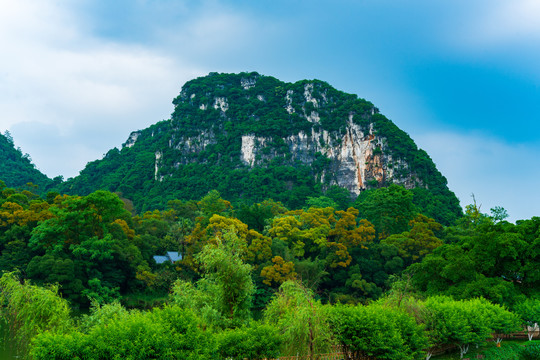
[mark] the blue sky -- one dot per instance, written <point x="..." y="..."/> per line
<point x="461" y="77"/>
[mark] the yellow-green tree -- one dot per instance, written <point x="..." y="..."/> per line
<point x="415" y="244"/>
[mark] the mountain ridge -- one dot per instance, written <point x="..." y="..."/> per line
<point x="17" y="169"/>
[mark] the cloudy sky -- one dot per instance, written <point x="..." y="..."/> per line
<point x="460" y="76"/>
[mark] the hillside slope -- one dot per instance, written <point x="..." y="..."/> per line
<point x="253" y="137"/>
<point x="16" y="169"/>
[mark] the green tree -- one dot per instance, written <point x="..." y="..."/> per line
<point x="301" y="320"/>
<point x="28" y="310"/>
<point x="529" y="311"/>
<point x="223" y="296"/>
<point x="254" y="341"/>
<point x="501" y="321"/>
<point x="389" y="209"/>
<point x="167" y="333"/>
<point x="321" y="202"/>
<point x="229" y="275"/>
<point x="461" y="323"/>
<point x="416" y="243"/>
<point x="94" y="233"/>
<point x="376" y="331"/>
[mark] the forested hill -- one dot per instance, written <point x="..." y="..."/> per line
<point x="16" y="169"/>
<point x="253" y="137"/>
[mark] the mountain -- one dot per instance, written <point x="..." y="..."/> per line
<point x="16" y="169"/>
<point x="253" y="137"/>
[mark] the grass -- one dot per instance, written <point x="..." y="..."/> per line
<point x="506" y="351"/>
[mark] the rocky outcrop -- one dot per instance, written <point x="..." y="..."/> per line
<point x="357" y="160"/>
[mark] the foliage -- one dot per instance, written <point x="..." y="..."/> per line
<point x="389" y="209"/>
<point x="464" y="323"/>
<point x="17" y="170"/>
<point x="301" y="320"/>
<point x="168" y="333"/>
<point x="255" y="341"/>
<point x="377" y="332"/>
<point x="529" y="312"/>
<point x="27" y="310"/>
<point x="279" y="272"/>
<point x="530" y="352"/>
<point x="223" y="297"/>
<point x="230" y="278"/>
<point x="481" y="258"/>
<point x="87" y="240"/>
<point x="415" y="244"/>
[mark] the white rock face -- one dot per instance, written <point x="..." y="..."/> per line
<point x="247" y="83"/>
<point x="308" y="94"/>
<point x="132" y="138"/>
<point x="288" y="98"/>
<point x="352" y="160"/>
<point x="221" y="103"/>
<point x="249" y="145"/>
<point x="158" y="155"/>
<point x="314" y="117"/>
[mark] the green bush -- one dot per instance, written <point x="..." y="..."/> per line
<point x="377" y="332"/>
<point x="168" y="333"/>
<point x="530" y="352"/>
<point x="257" y="341"/>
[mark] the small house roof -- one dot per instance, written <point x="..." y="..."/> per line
<point x="160" y="259"/>
<point x="174" y="256"/>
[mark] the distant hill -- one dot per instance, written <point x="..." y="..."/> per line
<point x="16" y="169"/>
<point x="253" y="137"/>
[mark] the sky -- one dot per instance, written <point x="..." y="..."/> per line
<point x="460" y="77"/>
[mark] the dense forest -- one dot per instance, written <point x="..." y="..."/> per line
<point x="260" y="280"/>
<point x="17" y="169"/>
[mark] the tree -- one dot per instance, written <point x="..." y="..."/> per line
<point x="224" y="294"/>
<point x="212" y="204"/>
<point x="321" y="202"/>
<point x="28" y="310"/>
<point x="501" y="321"/>
<point x="257" y="215"/>
<point x="415" y="244"/>
<point x="529" y="311"/>
<point x="94" y="233"/>
<point x="376" y="331"/>
<point x="279" y="272"/>
<point x="224" y="268"/>
<point x="390" y="209"/>
<point x="323" y="233"/>
<point x="255" y="341"/>
<point x="461" y="323"/>
<point x="163" y="333"/>
<point x="498" y="213"/>
<point x="301" y="320"/>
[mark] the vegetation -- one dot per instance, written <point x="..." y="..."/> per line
<point x="200" y="149"/>
<point x="256" y="291"/>
<point x="16" y="168"/>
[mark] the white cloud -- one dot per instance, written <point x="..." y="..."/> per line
<point x="504" y="21"/>
<point x="56" y="76"/>
<point x="497" y="173"/>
